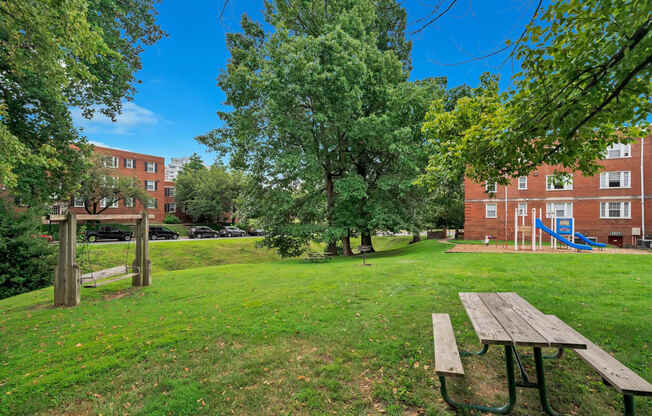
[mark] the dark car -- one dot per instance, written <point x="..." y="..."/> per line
<point x="162" y="233"/>
<point x="108" y="232"/>
<point x="231" y="231"/>
<point x="202" y="232"/>
<point x="257" y="232"/>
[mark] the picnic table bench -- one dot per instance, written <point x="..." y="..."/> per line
<point x="316" y="257"/>
<point x="507" y="319"/>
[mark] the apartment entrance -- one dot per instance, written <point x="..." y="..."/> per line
<point x="615" y="238"/>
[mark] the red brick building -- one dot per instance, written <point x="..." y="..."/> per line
<point x="150" y="170"/>
<point x="614" y="206"/>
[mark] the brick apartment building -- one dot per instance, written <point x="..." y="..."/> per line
<point x="150" y="170"/>
<point x="614" y="206"/>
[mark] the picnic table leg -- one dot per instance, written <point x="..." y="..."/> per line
<point x="558" y="354"/>
<point x="525" y="379"/>
<point x="541" y="383"/>
<point x="483" y="351"/>
<point x="629" y="404"/>
<point x="511" y="386"/>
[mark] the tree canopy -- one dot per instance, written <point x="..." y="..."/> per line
<point x="207" y="194"/>
<point x="584" y="84"/>
<point x="55" y="55"/>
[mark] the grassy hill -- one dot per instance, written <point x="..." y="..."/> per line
<point x="290" y="337"/>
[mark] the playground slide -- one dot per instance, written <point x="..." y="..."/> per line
<point x="589" y="242"/>
<point x="569" y="243"/>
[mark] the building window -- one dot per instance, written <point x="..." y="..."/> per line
<point x="615" y="210"/>
<point x="115" y="204"/>
<point x="614" y="180"/>
<point x="150" y="185"/>
<point x="129" y="202"/>
<point x="559" y="209"/>
<point x="491" y="211"/>
<point x="111" y="162"/>
<point x="522" y="209"/>
<point x="170" y="191"/>
<point x="78" y="203"/>
<point x="150" y="167"/>
<point x="618" y="151"/>
<point x="171" y="207"/>
<point x="490" y="188"/>
<point x="103" y="203"/>
<point x="130" y="163"/>
<point x="152" y="203"/>
<point x="522" y="183"/>
<point x="55" y="210"/>
<point x="559" y="183"/>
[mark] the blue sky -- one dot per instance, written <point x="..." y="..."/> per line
<point x="178" y="97"/>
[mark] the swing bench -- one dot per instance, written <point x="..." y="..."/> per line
<point x="99" y="278"/>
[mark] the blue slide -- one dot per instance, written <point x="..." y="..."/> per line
<point x="589" y="242"/>
<point x="569" y="243"/>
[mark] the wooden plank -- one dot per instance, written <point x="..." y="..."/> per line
<point x="447" y="357"/>
<point x="484" y="323"/>
<point x="517" y="328"/>
<point x="618" y="375"/>
<point x="98" y="217"/>
<point x="117" y="279"/>
<point x="103" y="274"/>
<point x="556" y="335"/>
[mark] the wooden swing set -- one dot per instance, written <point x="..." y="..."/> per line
<point x="67" y="276"/>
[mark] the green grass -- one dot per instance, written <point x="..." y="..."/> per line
<point x="180" y="255"/>
<point x="295" y="338"/>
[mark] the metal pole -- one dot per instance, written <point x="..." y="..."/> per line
<point x="534" y="230"/>
<point x="516" y="229"/>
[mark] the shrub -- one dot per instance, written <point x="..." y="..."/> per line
<point x="171" y="219"/>
<point x="26" y="260"/>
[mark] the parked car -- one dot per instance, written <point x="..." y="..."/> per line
<point x="231" y="231"/>
<point x="202" y="232"/>
<point x="257" y="231"/>
<point x="108" y="232"/>
<point x="162" y="233"/>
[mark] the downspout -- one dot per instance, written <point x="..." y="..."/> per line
<point x="642" y="190"/>
<point x="505" y="222"/>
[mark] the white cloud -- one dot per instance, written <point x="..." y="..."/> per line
<point x="132" y="117"/>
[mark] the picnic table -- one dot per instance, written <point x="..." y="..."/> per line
<point x="508" y="320"/>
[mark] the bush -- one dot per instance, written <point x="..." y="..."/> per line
<point x="171" y="219"/>
<point x="26" y="260"/>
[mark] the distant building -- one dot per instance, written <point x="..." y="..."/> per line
<point x="175" y="166"/>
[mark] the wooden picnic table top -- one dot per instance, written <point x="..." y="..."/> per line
<point x="505" y="318"/>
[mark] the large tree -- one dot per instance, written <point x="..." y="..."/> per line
<point x="55" y="55"/>
<point x="311" y="106"/>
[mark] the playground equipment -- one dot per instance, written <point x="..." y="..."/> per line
<point x="560" y="230"/>
<point x="67" y="275"/>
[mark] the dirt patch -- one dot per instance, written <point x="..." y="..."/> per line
<point x="479" y="248"/>
<point x="119" y="294"/>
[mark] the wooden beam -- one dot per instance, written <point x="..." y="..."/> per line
<point x="99" y="217"/>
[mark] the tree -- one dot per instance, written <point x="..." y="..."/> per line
<point x="100" y="190"/>
<point x="207" y="194"/>
<point x="584" y="84"/>
<point x="307" y="98"/>
<point x="53" y="56"/>
<point x="27" y="260"/>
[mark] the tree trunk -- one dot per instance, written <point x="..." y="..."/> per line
<point x="330" y="200"/>
<point x="346" y="244"/>
<point x="416" y="237"/>
<point x="365" y="240"/>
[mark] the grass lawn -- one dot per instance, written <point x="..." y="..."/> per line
<point x="294" y="338"/>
